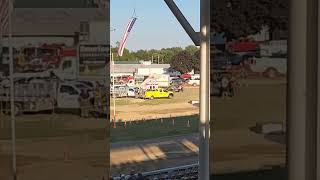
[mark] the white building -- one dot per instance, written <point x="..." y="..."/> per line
<point x="142" y="68"/>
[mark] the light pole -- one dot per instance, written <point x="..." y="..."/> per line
<point x="201" y="39"/>
<point x="113" y="80"/>
<point x="158" y="57"/>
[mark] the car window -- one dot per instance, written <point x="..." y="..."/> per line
<point x="66" y="65"/>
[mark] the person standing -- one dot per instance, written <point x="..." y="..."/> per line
<point x="224" y="86"/>
<point x="84" y="103"/>
<point x="98" y="99"/>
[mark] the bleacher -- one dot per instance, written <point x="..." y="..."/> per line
<point x="188" y="172"/>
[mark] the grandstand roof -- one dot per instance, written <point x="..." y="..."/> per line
<point x="58" y="3"/>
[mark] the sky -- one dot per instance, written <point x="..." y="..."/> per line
<point x="156" y="26"/>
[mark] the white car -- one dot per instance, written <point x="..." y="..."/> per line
<point x="131" y="92"/>
<point x="194" y="82"/>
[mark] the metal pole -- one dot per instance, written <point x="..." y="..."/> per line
<point x="183" y="21"/>
<point x="204" y="171"/>
<point x="318" y="103"/>
<point x="13" y="128"/>
<point x="113" y="93"/>
<point x="302" y="92"/>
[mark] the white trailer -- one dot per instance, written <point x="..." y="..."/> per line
<point x="155" y="81"/>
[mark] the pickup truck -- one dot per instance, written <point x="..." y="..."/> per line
<point x="38" y="95"/>
<point x="158" y="93"/>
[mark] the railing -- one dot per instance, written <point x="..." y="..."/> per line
<point x="175" y="171"/>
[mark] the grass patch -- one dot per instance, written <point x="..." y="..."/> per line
<point x="137" y="130"/>
<point x="150" y="129"/>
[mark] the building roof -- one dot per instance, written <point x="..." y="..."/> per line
<point x="131" y="68"/>
<point x="126" y="62"/>
<point x="59" y="3"/>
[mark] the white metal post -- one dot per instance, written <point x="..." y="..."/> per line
<point x="318" y="99"/>
<point x="202" y="39"/>
<point x="12" y="105"/>
<point x="204" y="171"/>
<point x="113" y="92"/>
<point x="302" y="92"/>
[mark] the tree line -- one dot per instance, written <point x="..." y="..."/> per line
<point x="180" y="59"/>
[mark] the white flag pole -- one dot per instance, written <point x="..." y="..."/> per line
<point x="13" y="123"/>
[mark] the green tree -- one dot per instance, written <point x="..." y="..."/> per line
<point x="196" y="61"/>
<point x="240" y="18"/>
<point x="182" y="62"/>
<point x="192" y="49"/>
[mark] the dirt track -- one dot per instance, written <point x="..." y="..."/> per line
<point x="242" y="151"/>
<point x="137" y="112"/>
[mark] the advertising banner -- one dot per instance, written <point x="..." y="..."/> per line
<point x="93" y="59"/>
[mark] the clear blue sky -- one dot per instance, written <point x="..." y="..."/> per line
<point x="156" y="26"/>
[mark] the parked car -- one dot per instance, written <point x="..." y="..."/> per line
<point x="131" y="92"/>
<point x="194" y="80"/>
<point x="185" y="76"/>
<point x="177" y="81"/>
<point x="175" y="88"/>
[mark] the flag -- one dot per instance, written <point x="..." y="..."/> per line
<point x="125" y="36"/>
<point x="4" y="14"/>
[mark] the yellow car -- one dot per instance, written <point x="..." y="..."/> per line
<point x="158" y="93"/>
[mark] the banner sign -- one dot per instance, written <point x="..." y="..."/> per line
<point x="93" y="58"/>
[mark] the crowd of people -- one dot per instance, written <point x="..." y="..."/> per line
<point x="97" y="103"/>
<point x="224" y="85"/>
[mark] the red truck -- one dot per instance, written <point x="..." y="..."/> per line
<point x="243" y="45"/>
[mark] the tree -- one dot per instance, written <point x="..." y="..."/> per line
<point x="196" y="61"/>
<point x="192" y="49"/>
<point x="182" y="62"/>
<point x="240" y="18"/>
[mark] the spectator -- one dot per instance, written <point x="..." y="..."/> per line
<point x="122" y="177"/>
<point x="84" y="103"/>
<point x="140" y="177"/>
<point x="224" y="86"/>
<point x="132" y="176"/>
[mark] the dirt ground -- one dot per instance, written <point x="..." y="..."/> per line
<point x="137" y="109"/>
<point x="73" y="148"/>
<point x="137" y="112"/>
<point x="245" y="151"/>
